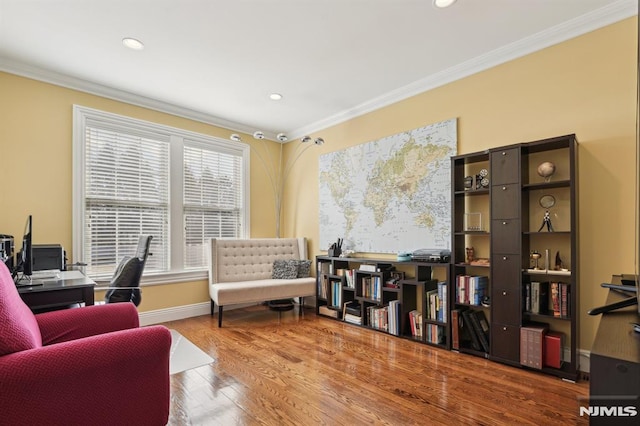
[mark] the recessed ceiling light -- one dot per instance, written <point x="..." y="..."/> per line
<point x="441" y="4"/>
<point x="132" y="43"/>
<point x="275" y="96"/>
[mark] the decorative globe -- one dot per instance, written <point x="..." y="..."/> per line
<point x="546" y="169"/>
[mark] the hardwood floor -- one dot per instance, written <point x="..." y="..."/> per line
<point x="279" y="369"/>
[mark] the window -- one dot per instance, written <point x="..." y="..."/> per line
<point x="212" y="200"/>
<point x="133" y="177"/>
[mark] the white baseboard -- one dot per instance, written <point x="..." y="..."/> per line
<point x="584" y="360"/>
<point x="174" y="313"/>
<point x="182" y="312"/>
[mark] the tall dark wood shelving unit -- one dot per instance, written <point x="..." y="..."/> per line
<point x="472" y="200"/>
<point x="411" y="292"/>
<point x="511" y="232"/>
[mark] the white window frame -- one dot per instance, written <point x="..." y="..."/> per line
<point x="177" y="273"/>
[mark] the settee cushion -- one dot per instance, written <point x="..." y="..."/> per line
<point x="261" y="290"/>
<point x="304" y="269"/>
<point x="285" y="269"/>
<point x="19" y="329"/>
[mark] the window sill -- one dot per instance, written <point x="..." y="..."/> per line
<point x="161" y="278"/>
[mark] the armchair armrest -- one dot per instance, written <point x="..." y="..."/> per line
<point x="71" y="324"/>
<point x="115" y="378"/>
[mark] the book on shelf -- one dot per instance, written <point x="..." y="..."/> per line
<point x="437" y="302"/>
<point x="371" y="287"/>
<point x="555" y="298"/>
<point x="352" y="307"/>
<point x="565" y="300"/>
<point x="468" y="325"/>
<point x="480" y="326"/>
<point x="348" y="275"/>
<point x="435" y="334"/>
<point x="455" y="329"/>
<point x="378" y="317"/>
<point x="336" y="293"/>
<point x="353" y="319"/>
<point x="532" y="339"/>
<point x="323" y="268"/>
<point x="394" y="317"/>
<point x="539" y="297"/>
<point x="461" y="288"/>
<point x="470" y="289"/>
<point x="432" y="304"/>
<point x="367" y="267"/>
<point x="442" y="299"/>
<point x="553" y="347"/>
<point x="351" y="312"/>
<point x="323" y="287"/>
<point x="415" y="321"/>
<point x="548" y="298"/>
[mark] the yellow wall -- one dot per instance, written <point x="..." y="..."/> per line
<point x="585" y="86"/>
<point x="36" y="154"/>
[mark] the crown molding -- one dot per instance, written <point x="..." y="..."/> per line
<point x="74" y="83"/>
<point x="599" y="18"/>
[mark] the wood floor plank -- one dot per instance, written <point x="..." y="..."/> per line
<point x="282" y="369"/>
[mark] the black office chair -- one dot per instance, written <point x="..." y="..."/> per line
<point x="125" y="283"/>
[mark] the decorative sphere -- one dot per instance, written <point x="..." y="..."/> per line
<point x="546" y="169"/>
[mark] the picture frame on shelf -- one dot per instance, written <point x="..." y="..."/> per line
<point x="473" y="221"/>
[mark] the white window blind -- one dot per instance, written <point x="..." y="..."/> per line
<point x="126" y="195"/>
<point x="134" y="177"/>
<point x="213" y="199"/>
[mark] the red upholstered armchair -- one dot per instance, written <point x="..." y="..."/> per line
<point x="83" y="366"/>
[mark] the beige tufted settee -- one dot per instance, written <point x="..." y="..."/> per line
<point x="240" y="271"/>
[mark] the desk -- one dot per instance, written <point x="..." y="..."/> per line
<point x="615" y="362"/>
<point x="71" y="287"/>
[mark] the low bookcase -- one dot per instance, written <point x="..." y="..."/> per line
<point x="406" y="299"/>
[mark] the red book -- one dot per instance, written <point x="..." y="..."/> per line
<point x="455" y="339"/>
<point x="553" y="343"/>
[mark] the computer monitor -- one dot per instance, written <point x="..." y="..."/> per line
<point x="25" y="258"/>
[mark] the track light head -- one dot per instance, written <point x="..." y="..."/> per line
<point x="235" y="137"/>
<point x="258" y="134"/>
<point x="306" y="139"/>
<point x="282" y="137"/>
<point x="319" y="141"/>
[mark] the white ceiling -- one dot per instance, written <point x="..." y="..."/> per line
<point x="218" y="60"/>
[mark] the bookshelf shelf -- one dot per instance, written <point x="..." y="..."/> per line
<point x="546" y="317"/>
<point x="547" y="185"/>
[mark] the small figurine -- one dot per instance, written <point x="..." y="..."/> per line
<point x="559" y="263"/>
<point x="546" y="220"/>
<point x="536" y="256"/>
<point x="470" y="254"/>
